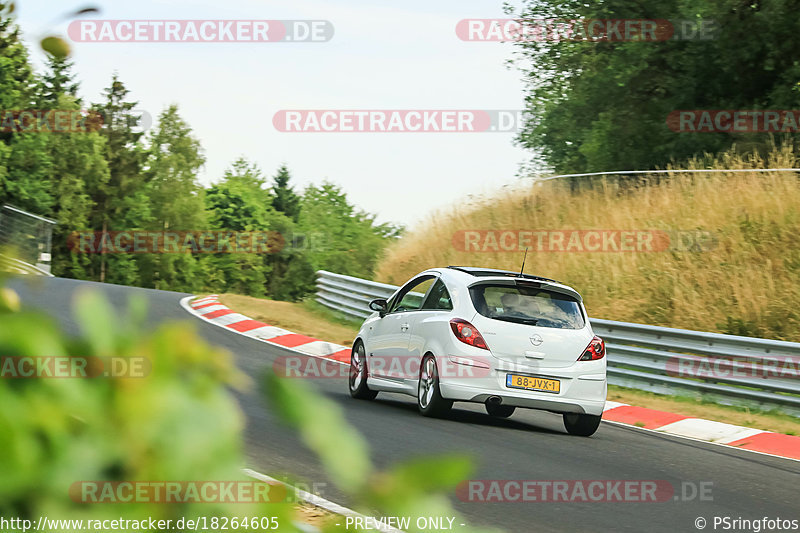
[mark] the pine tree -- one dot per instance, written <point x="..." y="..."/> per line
<point x="284" y="198"/>
<point x="23" y="159"/>
<point x="16" y="75"/>
<point x="58" y="80"/>
<point x="122" y="202"/>
<point x="174" y="159"/>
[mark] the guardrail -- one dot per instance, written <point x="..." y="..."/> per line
<point x="727" y="369"/>
<point x="10" y="264"/>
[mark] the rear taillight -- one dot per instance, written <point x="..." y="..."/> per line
<point x="596" y="350"/>
<point x="466" y="333"/>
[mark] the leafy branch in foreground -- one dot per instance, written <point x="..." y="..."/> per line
<point x="413" y="488"/>
<point x="176" y="423"/>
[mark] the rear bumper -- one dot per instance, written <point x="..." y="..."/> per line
<point x="583" y="388"/>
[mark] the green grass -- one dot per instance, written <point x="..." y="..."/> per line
<point x="325" y="313"/>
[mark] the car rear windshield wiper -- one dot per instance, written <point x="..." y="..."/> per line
<point x="517" y="320"/>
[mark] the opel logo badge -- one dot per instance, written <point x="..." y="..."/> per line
<point x="536" y="340"/>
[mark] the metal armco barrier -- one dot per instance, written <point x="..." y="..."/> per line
<point x="10" y="264"/>
<point x="727" y="369"/>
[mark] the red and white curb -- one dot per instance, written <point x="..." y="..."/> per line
<point x="210" y="309"/>
<point x="743" y="438"/>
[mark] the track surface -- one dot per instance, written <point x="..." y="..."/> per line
<point x="530" y="445"/>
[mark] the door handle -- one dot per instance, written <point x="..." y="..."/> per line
<point x="403" y="327"/>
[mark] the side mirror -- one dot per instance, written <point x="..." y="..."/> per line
<point x="379" y="305"/>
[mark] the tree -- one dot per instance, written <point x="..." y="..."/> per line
<point x="122" y="202"/>
<point x="28" y="171"/>
<point x="284" y="198"/>
<point x="78" y="168"/>
<point x="174" y="158"/>
<point x="58" y="81"/>
<point x="241" y="202"/>
<point x="17" y="84"/>
<point x="596" y="106"/>
<point x="341" y="237"/>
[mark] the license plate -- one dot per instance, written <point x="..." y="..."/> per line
<point x="532" y="383"/>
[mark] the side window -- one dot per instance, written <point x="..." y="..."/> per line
<point x="410" y="296"/>
<point x="438" y="298"/>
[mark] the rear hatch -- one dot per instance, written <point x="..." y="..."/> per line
<point x="531" y="325"/>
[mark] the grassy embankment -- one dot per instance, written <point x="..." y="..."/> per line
<point x="747" y="283"/>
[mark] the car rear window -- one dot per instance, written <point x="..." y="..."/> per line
<point x="527" y="305"/>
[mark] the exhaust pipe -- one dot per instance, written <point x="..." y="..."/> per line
<point x="494" y="400"/>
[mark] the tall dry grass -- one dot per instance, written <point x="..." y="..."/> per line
<point x="748" y="284"/>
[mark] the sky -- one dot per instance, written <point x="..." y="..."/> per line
<point x="383" y="56"/>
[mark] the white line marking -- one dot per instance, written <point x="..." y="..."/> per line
<point x="231" y="319"/>
<point x="206" y="300"/>
<point x="267" y="332"/>
<point x="210" y="308"/>
<point x="636" y="428"/>
<point x="319" y="501"/>
<point x="320" y="348"/>
<point x="708" y="430"/>
<point x="613" y="405"/>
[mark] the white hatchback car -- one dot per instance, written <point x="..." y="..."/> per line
<point x="488" y="336"/>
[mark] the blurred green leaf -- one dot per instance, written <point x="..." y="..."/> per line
<point x="9" y="300"/>
<point x="137" y="311"/>
<point x="418" y="477"/>
<point x="342" y="450"/>
<point x="177" y="423"/>
<point x="96" y="319"/>
<point x="19" y="338"/>
<point x="55" y="46"/>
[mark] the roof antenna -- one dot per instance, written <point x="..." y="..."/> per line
<point x="523" y="262"/>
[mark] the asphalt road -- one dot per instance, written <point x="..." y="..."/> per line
<point x="529" y="446"/>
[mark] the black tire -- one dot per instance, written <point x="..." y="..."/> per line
<point x="499" y="410"/>
<point x="581" y="425"/>
<point x="429" y="396"/>
<point x="357" y="380"/>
